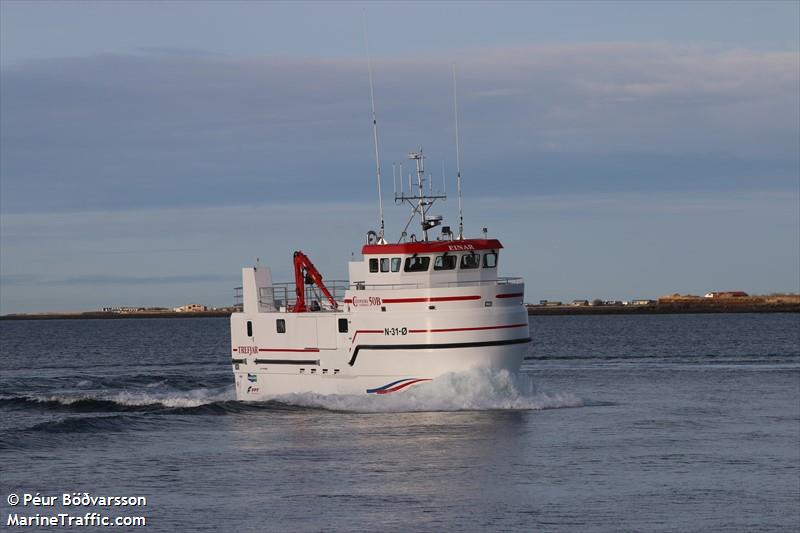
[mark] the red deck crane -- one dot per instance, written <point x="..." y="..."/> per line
<point x="306" y="273"/>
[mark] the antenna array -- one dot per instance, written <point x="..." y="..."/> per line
<point x="419" y="200"/>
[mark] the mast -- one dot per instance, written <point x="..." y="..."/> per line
<point x="381" y="240"/>
<point x="419" y="200"/>
<point x="458" y="157"/>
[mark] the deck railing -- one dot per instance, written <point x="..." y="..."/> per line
<point x="282" y="295"/>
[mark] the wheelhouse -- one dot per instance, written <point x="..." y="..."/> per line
<point x="431" y="263"/>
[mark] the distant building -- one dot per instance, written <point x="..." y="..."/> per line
<point x="550" y="303"/>
<point x="190" y="308"/>
<point x="727" y="294"/>
<point x="580" y="303"/>
<point x="128" y="310"/>
<point x="678" y="298"/>
<point x="643" y="302"/>
<point x="123" y="309"/>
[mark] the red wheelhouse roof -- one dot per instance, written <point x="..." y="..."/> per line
<point x="429" y="247"/>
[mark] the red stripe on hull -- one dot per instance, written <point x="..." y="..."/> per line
<point x="429" y="299"/>
<point x="479" y="328"/>
<point x="510" y="295"/>
<point x="402" y="386"/>
<point x="439" y="330"/>
<point x="288" y="349"/>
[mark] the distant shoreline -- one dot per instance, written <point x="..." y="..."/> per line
<point x="533" y="310"/>
<point x="662" y="309"/>
<point x="114" y="316"/>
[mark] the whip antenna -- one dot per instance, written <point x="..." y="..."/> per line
<point x="458" y="156"/>
<point x="374" y="131"/>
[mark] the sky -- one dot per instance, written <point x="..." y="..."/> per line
<point x="619" y="150"/>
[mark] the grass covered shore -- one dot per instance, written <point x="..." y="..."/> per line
<point x="657" y="309"/>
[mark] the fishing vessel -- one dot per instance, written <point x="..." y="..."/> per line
<point x="411" y="310"/>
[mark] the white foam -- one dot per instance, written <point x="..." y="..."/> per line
<point x="191" y="398"/>
<point x="476" y="390"/>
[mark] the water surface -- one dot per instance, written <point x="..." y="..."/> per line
<point x="640" y="423"/>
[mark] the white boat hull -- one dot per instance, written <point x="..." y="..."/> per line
<point x="396" y="370"/>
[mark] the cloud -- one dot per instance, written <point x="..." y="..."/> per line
<point x="177" y="128"/>
<point x="99" y="280"/>
<point x="140" y="280"/>
<point x="156" y="176"/>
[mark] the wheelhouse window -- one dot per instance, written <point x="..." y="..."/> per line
<point x="444" y="262"/>
<point x="342" y="325"/>
<point x="490" y="260"/>
<point x="249" y="328"/>
<point x="384" y="264"/>
<point x="469" y="261"/>
<point x="396" y="261"/>
<point x="280" y="325"/>
<point x="417" y="264"/>
<point x="373" y="265"/>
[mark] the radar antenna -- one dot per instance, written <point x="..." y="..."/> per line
<point x="420" y="201"/>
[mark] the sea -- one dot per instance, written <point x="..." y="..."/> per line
<point x="615" y="423"/>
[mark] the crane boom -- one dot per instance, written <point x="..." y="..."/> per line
<point x="306" y="272"/>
